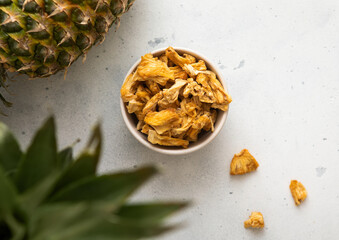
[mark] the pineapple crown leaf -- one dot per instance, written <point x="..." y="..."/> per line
<point x="10" y="150"/>
<point x="65" y="158"/>
<point x="149" y="213"/>
<point x="85" y="165"/>
<point x="7" y="193"/>
<point x="47" y="195"/>
<point x="114" y="188"/>
<point x="40" y="159"/>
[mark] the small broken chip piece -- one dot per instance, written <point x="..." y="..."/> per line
<point x="256" y="220"/>
<point x="298" y="191"/>
<point x="175" y="97"/>
<point x="243" y="162"/>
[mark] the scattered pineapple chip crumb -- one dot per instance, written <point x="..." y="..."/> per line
<point x="256" y="220"/>
<point x="243" y="162"/>
<point x="298" y="191"/>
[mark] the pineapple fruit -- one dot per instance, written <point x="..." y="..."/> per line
<point x="41" y="37"/>
<point x="46" y="195"/>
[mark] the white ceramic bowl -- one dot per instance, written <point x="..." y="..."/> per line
<point x="204" y="138"/>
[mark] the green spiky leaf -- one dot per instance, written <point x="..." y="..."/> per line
<point x="10" y="153"/>
<point x="7" y="195"/>
<point x="85" y="165"/>
<point x="40" y="159"/>
<point x="35" y="196"/>
<point x="148" y="213"/>
<point x="65" y="158"/>
<point x="114" y="188"/>
<point x="104" y="230"/>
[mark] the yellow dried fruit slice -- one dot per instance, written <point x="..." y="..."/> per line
<point x="243" y="162"/>
<point x="129" y="88"/>
<point x="197" y="126"/>
<point x="298" y="192"/>
<point x="152" y="103"/>
<point x="162" y="121"/>
<point x="177" y="59"/>
<point x="171" y="94"/>
<point x="179" y="73"/>
<point x="135" y="106"/>
<point x="155" y="138"/>
<point x="151" y="68"/>
<point x="256" y="220"/>
<point x="201" y="66"/>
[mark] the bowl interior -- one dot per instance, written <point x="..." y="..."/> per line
<point x="204" y="137"/>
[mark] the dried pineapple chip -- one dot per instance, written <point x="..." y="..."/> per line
<point x="155" y="138"/>
<point x="194" y="89"/>
<point x="162" y="105"/>
<point x="162" y="121"/>
<point x="197" y="126"/>
<point x="152" y="86"/>
<point x="153" y="69"/>
<point x="212" y="116"/>
<point x="179" y="72"/>
<point x="146" y="128"/>
<point x="256" y="220"/>
<point x="195" y="68"/>
<point x="164" y="58"/>
<point x="140" y="116"/>
<point x="243" y="162"/>
<point x="218" y="90"/>
<point x="128" y="89"/>
<point x="190" y="70"/>
<point x="140" y="124"/>
<point x="190" y="58"/>
<point x="143" y="94"/>
<point x="152" y="103"/>
<point x="201" y="66"/>
<point x="298" y="191"/>
<point x="189" y="107"/>
<point x="171" y="94"/>
<point x="186" y="123"/>
<point x="135" y="106"/>
<point x="177" y="59"/>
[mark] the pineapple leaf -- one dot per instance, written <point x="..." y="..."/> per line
<point x="40" y="159"/>
<point x="85" y="165"/>
<point x="85" y="222"/>
<point x="34" y="197"/>
<point x="10" y="152"/>
<point x="104" y="230"/>
<point x="148" y="213"/>
<point x="51" y="220"/>
<point x="7" y="195"/>
<point x="65" y="158"/>
<point x="17" y="229"/>
<point x="112" y="189"/>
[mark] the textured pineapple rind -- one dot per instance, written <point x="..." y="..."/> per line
<point x="39" y="38"/>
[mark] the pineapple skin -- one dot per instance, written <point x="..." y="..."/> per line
<point x="42" y="37"/>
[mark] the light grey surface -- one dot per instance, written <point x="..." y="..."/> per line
<point x="281" y="61"/>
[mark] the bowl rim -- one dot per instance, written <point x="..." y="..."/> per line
<point x="133" y="130"/>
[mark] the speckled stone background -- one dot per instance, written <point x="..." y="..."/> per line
<point x="281" y="61"/>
